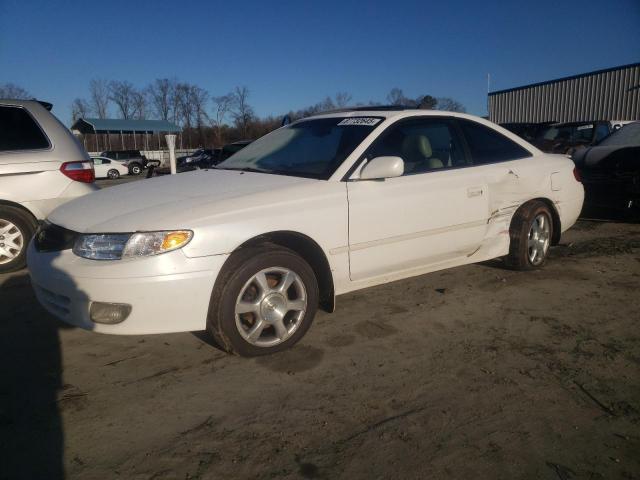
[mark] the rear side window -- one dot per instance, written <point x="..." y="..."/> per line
<point x="489" y="146"/>
<point x="19" y="131"/>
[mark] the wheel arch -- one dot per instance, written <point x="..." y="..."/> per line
<point x="555" y="217"/>
<point x="22" y="208"/>
<point x="310" y="251"/>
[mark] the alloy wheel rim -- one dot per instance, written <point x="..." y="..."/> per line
<point x="11" y="241"/>
<point x="270" y="307"/>
<point x="538" y="239"/>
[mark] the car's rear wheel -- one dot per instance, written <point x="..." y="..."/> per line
<point x="113" y="174"/>
<point x="135" y="169"/>
<point x="531" y="233"/>
<point x="264" y="301"/>
<point x="16" y="229"/>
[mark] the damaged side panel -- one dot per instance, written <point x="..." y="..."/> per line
<point x="509" y="189"/>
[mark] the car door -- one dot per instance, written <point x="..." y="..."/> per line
<point x="436" y="212"/>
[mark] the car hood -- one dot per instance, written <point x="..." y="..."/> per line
<point x="172" y="201"/>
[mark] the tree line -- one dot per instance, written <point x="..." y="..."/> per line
<point x="206" y="119"/>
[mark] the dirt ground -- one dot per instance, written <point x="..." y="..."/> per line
<point x="474" y="372"/>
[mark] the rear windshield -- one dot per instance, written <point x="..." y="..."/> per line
<point x="309" y="148"/>
<point x="19" y="131"/>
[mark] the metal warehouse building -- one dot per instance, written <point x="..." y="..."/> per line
<point x="611" y="94"/>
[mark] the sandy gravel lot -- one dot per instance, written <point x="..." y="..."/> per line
<point x="475" y="372"/>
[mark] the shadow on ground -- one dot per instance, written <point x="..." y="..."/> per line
<point x="31" y="436"/>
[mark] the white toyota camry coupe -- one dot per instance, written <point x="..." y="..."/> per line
<point x="326" y="205"/>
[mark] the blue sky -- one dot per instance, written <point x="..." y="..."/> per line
<point x="294" y="53"/>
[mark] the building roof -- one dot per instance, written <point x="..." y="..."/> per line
<point x="562" y="79"/>
<point x="115" y="125"/>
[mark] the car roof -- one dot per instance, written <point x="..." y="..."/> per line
<point x="389" y="112"/>
<point x="21" y="102"/>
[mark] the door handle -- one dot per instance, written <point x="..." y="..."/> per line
<point x="474" y="192"/>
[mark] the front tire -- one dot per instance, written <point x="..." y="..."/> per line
<point x="113" y="174"/>
<point x="16" y="229"/>
<point x="531" y="233"/>
<point x="264" y="301"/>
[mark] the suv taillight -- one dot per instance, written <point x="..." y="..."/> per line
<point x="81" y="171"/>
<point x="576" y="174"/>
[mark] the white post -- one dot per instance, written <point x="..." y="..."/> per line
<point x="171" y="143"/>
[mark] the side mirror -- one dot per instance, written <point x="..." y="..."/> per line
<point x="382" y="167"/>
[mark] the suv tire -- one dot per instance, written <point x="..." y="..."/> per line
<point x="135" y="169"/>
<point x="16" y="229"/>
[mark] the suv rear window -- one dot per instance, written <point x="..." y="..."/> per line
<point x="19" y="131"/>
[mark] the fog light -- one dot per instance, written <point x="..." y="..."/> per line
<point x="109" y="313"/>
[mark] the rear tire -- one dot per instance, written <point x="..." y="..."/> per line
<point x="113" y="174"/>
<point x="531" y="233"/>
<point x="16" y="229"/>
<point x="264" y="301"/>
<point x="135" y="169"/>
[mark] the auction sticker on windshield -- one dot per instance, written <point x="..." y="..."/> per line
<point x="360" y="121"/>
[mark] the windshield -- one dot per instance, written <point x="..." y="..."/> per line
<point x="629" y="135"/>
<point x="310" y="148"/>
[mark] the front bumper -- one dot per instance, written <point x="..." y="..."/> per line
<point x="167" y="293"/>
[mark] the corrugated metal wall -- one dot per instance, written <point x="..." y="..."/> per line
<point x="612" y="94"/>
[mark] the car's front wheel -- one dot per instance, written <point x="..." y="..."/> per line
<point x="531" y="233"/>
<point x="264" y="301"/>
<point x="16" y="229"/>
<point x="113" y="174"/>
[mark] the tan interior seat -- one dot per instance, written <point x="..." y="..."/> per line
<point x="418" y="155"/>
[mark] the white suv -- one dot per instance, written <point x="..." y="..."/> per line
<point x="41" y="167"/>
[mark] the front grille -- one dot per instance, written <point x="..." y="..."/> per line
<point x="53" y="238"/>
<point x="59" y="304"/>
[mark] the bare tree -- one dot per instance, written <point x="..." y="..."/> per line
<point x="161" y="93"/>
<point x="99" y="92"/>
<point x="426" y="102"/>
<point x="123" y="94"/>
<point x="198" y="99"/>
<point x="80" y="108"/>
<point x="183" y="110"/>
<point x="242" y="111"/>
<point x="342" y="99"/>
<point x="222" y="106"/>
<point x="450" y="105"/>
<point x="11" y="90"/>
<point x="396" y="96"/>
<point x="139" y="105"/>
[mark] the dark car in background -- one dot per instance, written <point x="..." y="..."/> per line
<point x="202" y="155"/>
<point x="231" y="148"/>
<point x="134" y="160"/>
<point x="610" y="174"/>
<point x="203" y="158"/>
<point x="526" y="130"/>
<point x="566" y="137"/>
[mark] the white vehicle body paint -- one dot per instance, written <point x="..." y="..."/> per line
<point x="32" y="179"/>
<point x="371" y="232"/>
<point x="102" y="166"/>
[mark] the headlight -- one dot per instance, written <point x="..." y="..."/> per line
<point x="115" y="246"/>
